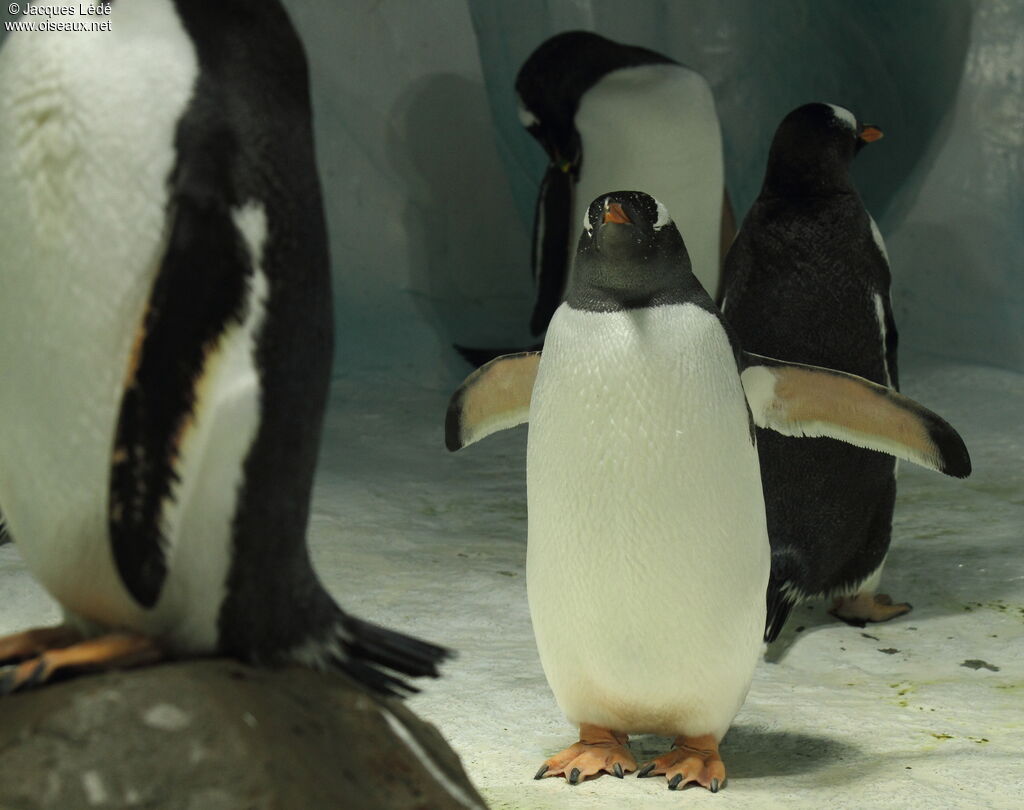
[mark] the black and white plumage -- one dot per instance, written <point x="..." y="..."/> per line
<point x="610" y="116"/>
<point x="168" y="308"/>
<point x="807" y="279"/>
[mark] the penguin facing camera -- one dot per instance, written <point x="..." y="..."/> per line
<point x="611" y="116"/>
<point x="647" y="551"/>
<point x="167" y="326"/>
<point x="808" y="279"/>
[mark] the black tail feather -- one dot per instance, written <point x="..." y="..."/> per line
<point x="377" y="680"/>
<point x="370" y="646"/>
<point x="780" y="604"/>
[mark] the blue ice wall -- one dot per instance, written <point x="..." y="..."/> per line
<point x="415" y="194"/>
<point x="958" y="245"/>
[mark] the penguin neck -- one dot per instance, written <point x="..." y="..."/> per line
<point x="596" y="299"/>
<point x="784" y="184"/>
<point x="599" y="285"/>
<point x="790" y="175"/>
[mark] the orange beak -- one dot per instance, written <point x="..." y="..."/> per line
<point x="870" y="133"/>
<point x="614" y="213"/>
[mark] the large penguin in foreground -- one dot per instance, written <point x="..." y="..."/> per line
<point x="808" y="279"/>
<point x="167" y="336"/>
<point x="648" y="555"/>
<point x="618" y="116"/>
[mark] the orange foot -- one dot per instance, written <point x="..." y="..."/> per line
<point x="600" y="750"/>
<point x="692" y="759"/>
<point x="30" y="643"/>
<point x="47" y="652"/>
<point x="865" y="607"/>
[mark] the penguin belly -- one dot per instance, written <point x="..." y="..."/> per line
<point x="654" y="129"/>
<point x="83" y="200"/>
<point x="648" y="556"/>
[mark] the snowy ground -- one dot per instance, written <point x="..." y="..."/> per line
<point x="924" y="712"/>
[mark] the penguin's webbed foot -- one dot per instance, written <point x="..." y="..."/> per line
<point x="692" y="759"/>
<point x="112" y="651"/>
<point x="30" y="643"/>
<point x="600" y="750"/>
<point x="859" y="609"/>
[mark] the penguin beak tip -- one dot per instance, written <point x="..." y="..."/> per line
<point x="614" y="213"/>
<point x="869" y="133"/>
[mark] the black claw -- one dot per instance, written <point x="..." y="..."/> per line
<point x="543" y="770"/>
<point x="646" y="769"/>
<point x="574" y="777"/>
<point x="714" y="785"/>
<point x="675" y="781"/>
<point x="617" y="770"/>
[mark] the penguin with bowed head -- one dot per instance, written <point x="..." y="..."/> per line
<point x="808" y="279"/>
<point x="647" y="553"/>
<point x="609" y="116"/>
<point x="167" y="325"/>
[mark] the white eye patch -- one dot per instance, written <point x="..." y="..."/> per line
<point x="845" y="116"/>
<point x="663" y="217"/>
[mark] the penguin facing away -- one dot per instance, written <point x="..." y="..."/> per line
<point x="610" y="116"/>
<point x="644" y="493"/>
<point x="808" y="279"/>
<point x="167" y="323"/>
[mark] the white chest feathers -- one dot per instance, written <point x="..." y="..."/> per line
<point x="646" y="521"/>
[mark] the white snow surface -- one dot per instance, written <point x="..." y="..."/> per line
<point x="434" y="543"/>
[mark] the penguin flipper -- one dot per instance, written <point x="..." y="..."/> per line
<point x="552" y="238"/>
<point x="801" y="400"/>
<point x="478" y="357"/>
<point x="200" y="290"/>
<point x="494" y="397"/>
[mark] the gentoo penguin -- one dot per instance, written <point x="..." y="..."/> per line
<point x="167" y="333"/>
<point x="4" y="536"/>
<point x="808" y="279"/>
<point x="648" y="555"/>
<point x="618" y="116"/>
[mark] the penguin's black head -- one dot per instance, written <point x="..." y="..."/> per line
<point x="812" y="151"/>
<point x="556" y="75"/>
<point x="630" y="255"/>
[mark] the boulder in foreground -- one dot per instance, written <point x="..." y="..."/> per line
<point x="219" y="735"/>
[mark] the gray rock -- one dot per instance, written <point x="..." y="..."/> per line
<point x="218" y="735"/>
